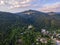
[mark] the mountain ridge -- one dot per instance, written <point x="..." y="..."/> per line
<point x="37" y="19"/>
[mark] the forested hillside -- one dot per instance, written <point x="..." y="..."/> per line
<point x="24" y="28"/>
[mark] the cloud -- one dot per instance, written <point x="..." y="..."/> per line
<point x="2" y="2"/>
<point x="12" y="4"/>
<point x="26" y="1"/>
<point x="50" y="7"/>
<point x="16" y="5"/>
<point x="20" y="4"/>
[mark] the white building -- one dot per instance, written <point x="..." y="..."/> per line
<point x="30" y="26"/>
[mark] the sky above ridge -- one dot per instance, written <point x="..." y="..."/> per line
<point x="22" y="5"/>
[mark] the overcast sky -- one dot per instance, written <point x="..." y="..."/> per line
<point x="22" y="5"/>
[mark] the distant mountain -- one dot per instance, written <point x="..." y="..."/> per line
<point x="35" y="14"/>
<point x="8" y="20"/>
<point x="33" y="17"/>
<point x="56" y="18"/>
<point x="40" y="18"/>
<point x="57" y="12"/>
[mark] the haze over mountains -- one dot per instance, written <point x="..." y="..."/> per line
<point x="33" y="17"/>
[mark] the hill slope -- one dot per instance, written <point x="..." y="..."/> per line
<point x="36" y="18"/>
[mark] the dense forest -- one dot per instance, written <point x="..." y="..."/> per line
<point x="24" y="28"/>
